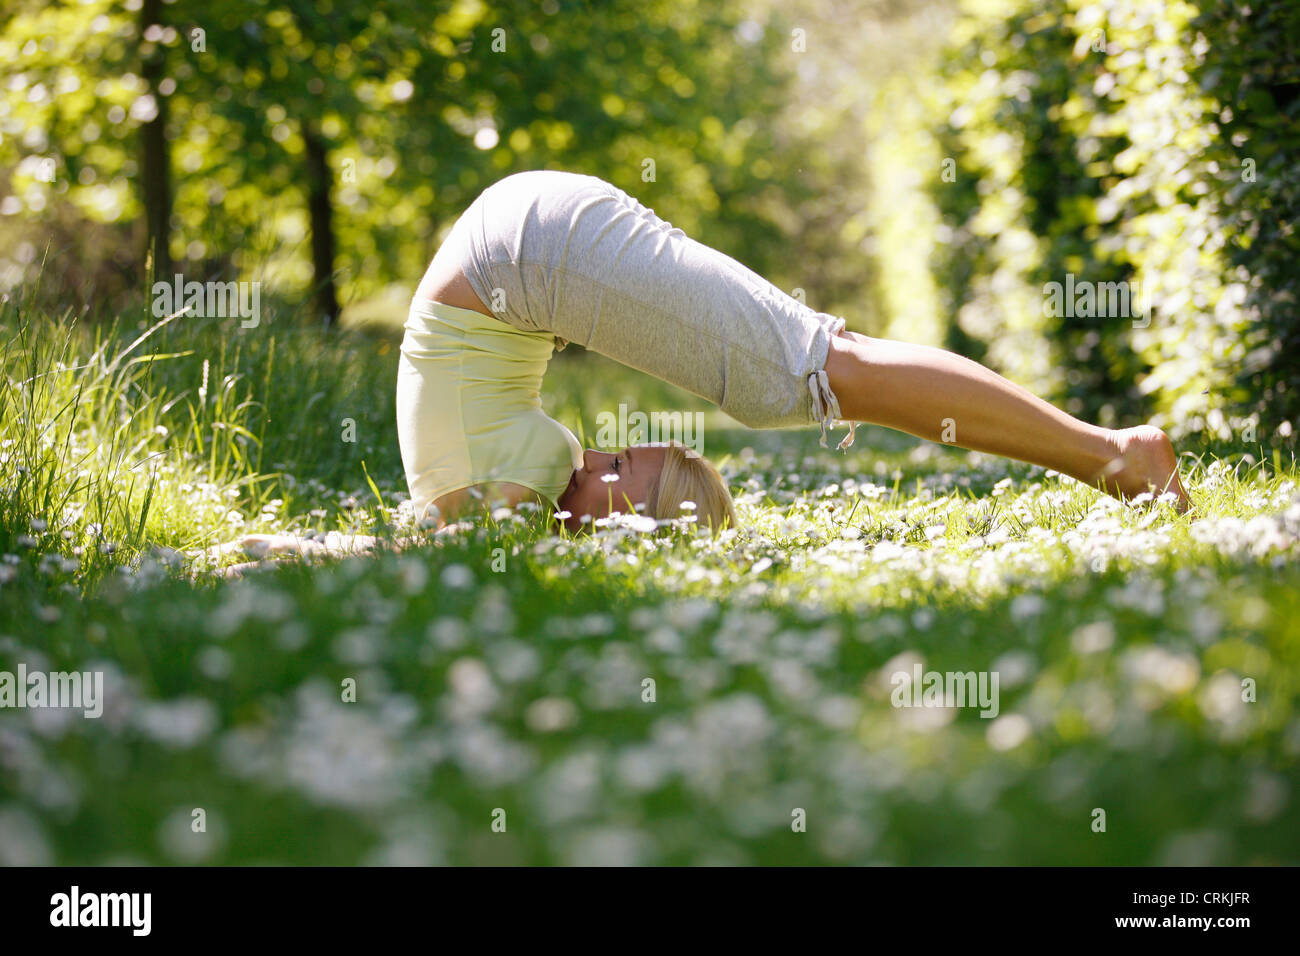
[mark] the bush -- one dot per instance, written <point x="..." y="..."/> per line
<point x="1113" y="145"/>
<point x="1252" y="67"/>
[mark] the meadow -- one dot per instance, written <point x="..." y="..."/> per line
<point x="503" y="694"/>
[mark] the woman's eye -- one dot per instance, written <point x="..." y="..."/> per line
<point x="618" y="463"/>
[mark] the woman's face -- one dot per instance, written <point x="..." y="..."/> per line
<point x="610" y="481"/>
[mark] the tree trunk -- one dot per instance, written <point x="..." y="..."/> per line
<point x="155" y="160"/>
<point x="321" y="210"/>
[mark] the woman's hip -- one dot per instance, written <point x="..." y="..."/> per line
<point x="606" y="272"/>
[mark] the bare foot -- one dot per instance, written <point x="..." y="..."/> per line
<point x="1145" y="462"/>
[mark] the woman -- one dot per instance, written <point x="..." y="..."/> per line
<point x="549" y="256"/>
<point x="544" y="258"/>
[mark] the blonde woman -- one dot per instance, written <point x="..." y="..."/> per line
<point x="544" y="258"/>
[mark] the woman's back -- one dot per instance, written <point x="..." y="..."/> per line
<point x="470" y="410"/>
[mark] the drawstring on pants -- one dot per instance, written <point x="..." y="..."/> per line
<point x="826" y="408"/>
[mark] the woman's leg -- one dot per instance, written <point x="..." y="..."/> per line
<point x="942" y="396"/>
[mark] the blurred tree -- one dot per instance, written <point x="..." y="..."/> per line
<point x="371" y="126"/>
<point x="155" y="157"/>
<point x="70" y="111"/>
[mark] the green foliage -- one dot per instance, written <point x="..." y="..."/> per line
<point x="1126" y="143"/>
<point x="1108" y="143"/>
<point x="129" y="437"/>
<point x="501" y="666"/>
<point x="1252" y="68"/>
<point x="419" y="109"/>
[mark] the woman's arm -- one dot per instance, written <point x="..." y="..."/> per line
<point x="450" y="506"/>
<point x="261" y="545"/>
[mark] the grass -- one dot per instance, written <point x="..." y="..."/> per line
<point x="500" y="673"/>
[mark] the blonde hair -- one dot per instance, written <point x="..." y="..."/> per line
<point x="688" y="476"/>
